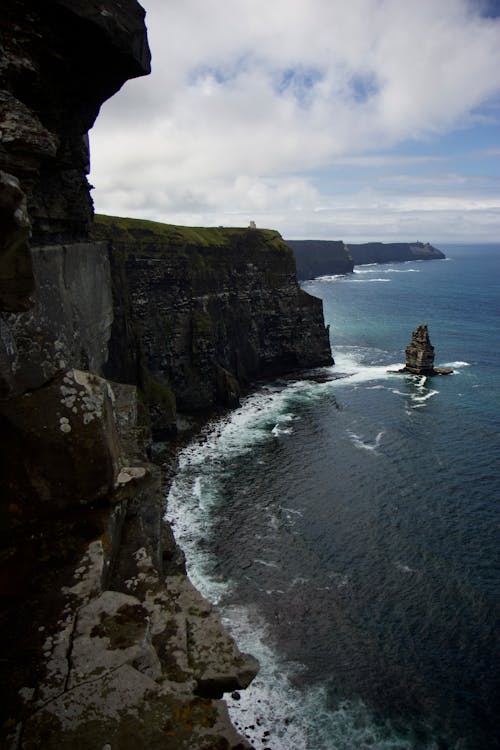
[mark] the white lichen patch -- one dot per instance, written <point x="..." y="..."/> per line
<point x="147" y="573"/>
<point x="89" y="572"/>
<point x="85" y="394"/>
<point x="128" y="473"/>
<point x="64" y="425"/>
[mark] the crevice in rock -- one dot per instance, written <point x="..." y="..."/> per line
<point x="69" y="652"/>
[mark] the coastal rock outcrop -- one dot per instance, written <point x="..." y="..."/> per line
<point x="420" y="355"/>
<point x="420" y="352"/>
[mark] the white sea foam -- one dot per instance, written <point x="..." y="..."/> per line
<point x="348" y="364"/>
<point x="425" y="397"/>
<point x="388" y="270"/>
<point x="266" y="563"/>
<point x="457" y="364"/>
<point x="405" y="568"/>
<point x="292" y="511"/>
<point x="277" y="430"/>
<point x="273" y="711"/>
<point x="363" y="445"/>
<point x="331" y="277"/>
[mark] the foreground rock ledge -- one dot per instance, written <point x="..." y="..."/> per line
<point x="133" y="655"/>
<point x="136" y="670"/>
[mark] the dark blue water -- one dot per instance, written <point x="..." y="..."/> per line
<point x="348" y="529"/>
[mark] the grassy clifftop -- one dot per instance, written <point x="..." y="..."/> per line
<point x="144" y="231"/>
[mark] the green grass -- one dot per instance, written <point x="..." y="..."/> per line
<point x="121" y="228"/>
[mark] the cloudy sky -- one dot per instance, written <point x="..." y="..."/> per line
<point x="330" y="119"/>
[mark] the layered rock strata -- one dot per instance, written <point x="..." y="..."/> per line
<point x="420" y="352"/>
<point x="420" y="355"/>
<point x="214" y="309"/>
<point x="61" y="59"/>
<point x="105" y="643"/>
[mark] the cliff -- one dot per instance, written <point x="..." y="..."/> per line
<point x="320" y="258"/>
<point x="51" y="90"/>
<point x="330" y="257"/>
<point x="391" y="252"/>
<point x="105" y="643"/>
<point x="214" y="308"/>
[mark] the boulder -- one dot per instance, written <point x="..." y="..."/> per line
<point x="64" y="437"/>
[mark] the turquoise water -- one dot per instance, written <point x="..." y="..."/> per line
<point x="348" y="529"/>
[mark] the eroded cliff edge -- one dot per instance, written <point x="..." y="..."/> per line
<point x="105" y="643"/>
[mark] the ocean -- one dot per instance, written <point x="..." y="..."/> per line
<point x="346" y="526"/>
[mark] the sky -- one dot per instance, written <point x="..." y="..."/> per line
<point x="352" y="120"/>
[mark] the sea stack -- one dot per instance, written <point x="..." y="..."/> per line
<point x="420" y="355"/>
<point x="420" y="352"/>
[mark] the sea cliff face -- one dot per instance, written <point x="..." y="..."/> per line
<point x="105" y="641"/>
<point x="213" y="309"/>
<point x="328" y="257"/>
<point x="320" y="258"/>
<point x="390" y="252"/>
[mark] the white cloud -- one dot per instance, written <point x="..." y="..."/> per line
<point x="247" y="95"/>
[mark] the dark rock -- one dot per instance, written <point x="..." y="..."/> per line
<point x="390" y="252"/>
<point x="320" y="258"/>
<point x="420" y="352"/>
<point x="16" y="274"/>
<point x="61" y="59"/>
<point x="213" y="309"/>
<point x="64" y="437"/>
<point x="69" y="324"/>
<point x="420" y="355"/>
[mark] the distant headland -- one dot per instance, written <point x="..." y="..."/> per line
<point x="329" y="257"/>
